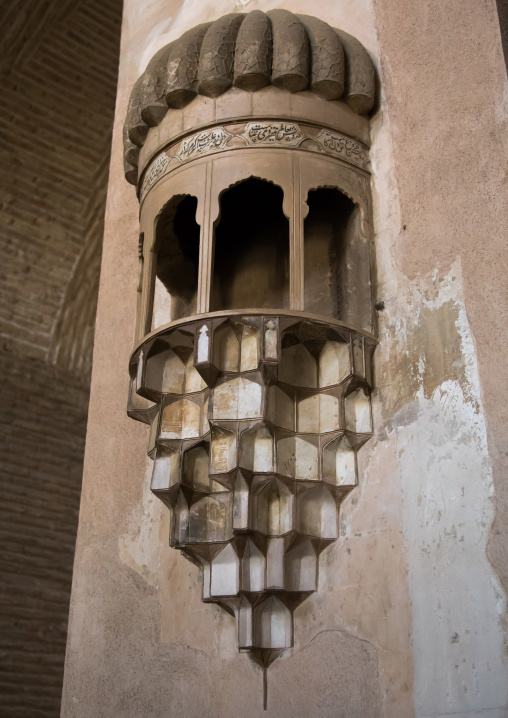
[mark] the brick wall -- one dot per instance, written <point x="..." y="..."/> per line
<point x="58" y="63"/>
<point x="42" y="436"/>
<point x="59" y="72"/>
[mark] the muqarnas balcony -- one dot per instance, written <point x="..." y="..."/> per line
<point x="256" y="327"/>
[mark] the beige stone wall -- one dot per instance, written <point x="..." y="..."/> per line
<point x="409" y="616"/>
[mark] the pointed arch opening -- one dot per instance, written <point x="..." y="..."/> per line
<point x="328" y="233"/>
<point x="251" y="248"/>
<point x="177" y="237"/>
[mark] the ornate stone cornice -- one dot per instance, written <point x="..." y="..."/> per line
<point x="254" y="134"/>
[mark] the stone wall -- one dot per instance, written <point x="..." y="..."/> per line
<point x="59" y="65"/>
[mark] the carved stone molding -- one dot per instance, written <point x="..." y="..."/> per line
<point x="203" y="143"/>
<point x="293" y="53"/>
<point x="157" y="169"/>
<point x="343" y="147"/>
<point x="285" y="134"/>
<point x="251" y="135"/>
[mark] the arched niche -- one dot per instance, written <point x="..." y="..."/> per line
<point x="210" y="520"/>
<point x="223" y="450"/>
<point x="336" y="241"/>
<point x="231" y="169"/>
<point x="179" y="530"/>
<point x="251" y="248"/>
<point x="181" y="419"/>
<point x="238" y="398"/>
<point x="257" y="449"/>
<point x="317" y="513"/>
<point x="272" y="508"/>
<point x="297" y="365"/>
<point x="298" y="457"/>
<point x="166" y="469"/>
<point x="250" y="347"/>
<point x="195" y="467"/>
<point x="151" y="368"/>
<point x="253" y="568"/>
<point x="225" y="573"/>
<point x="226" y="348"/>
<point x="329" y="230"/>
<point x="280" y="409"/>
<point x="300" y="569"/>
<point x="244" y="623"/>
<point x="241" y="497"/>
<point x="273" y="625"/>
<point x="176" y="246"/>
<point x="358" y="411"/>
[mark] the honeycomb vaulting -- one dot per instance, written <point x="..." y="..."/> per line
<point x="255" y="426"/>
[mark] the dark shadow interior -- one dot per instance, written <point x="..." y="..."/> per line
<point x="328" y="231"/>
<point x="177" y="243"/>
<point x="251" y="261"/>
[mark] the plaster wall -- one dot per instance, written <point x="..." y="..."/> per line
<point x="409" y="616"/>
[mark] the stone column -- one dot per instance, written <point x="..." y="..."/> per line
<point x="408" y="616"/>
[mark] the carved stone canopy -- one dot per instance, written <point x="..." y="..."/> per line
<point x="294" y="53"/>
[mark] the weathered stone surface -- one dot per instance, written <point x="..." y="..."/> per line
<point x="130" y="158"/>
<point x="216" y="63"/>
<point x="338" y="690"/>
<point x="292" y="52"/>
<point x="290" y="70"/>
<point x="456" y="232"/>
<point x="327" y="58"/>
<point x="182" y="69"/>
<point x="253" y="55"/>
<point x="136" y="128"/>
<point x="132" y="153"/>
<point x="360" y="85"/>
<point x="153" y="88"/>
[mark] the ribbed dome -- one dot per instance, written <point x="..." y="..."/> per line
<point x="291" y="52"/>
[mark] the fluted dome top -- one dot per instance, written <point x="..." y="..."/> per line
<point x="249" y="51"/>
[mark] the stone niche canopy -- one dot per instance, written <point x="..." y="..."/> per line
<point x="249" y="52"/>
<point x="248" y="141"/>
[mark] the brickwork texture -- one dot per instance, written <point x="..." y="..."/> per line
<point x="59" y="63"/>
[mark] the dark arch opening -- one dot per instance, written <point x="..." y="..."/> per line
<point x="328" y="231"/>
<point x="251" y="256"/>
<point x="176" y="273"/>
